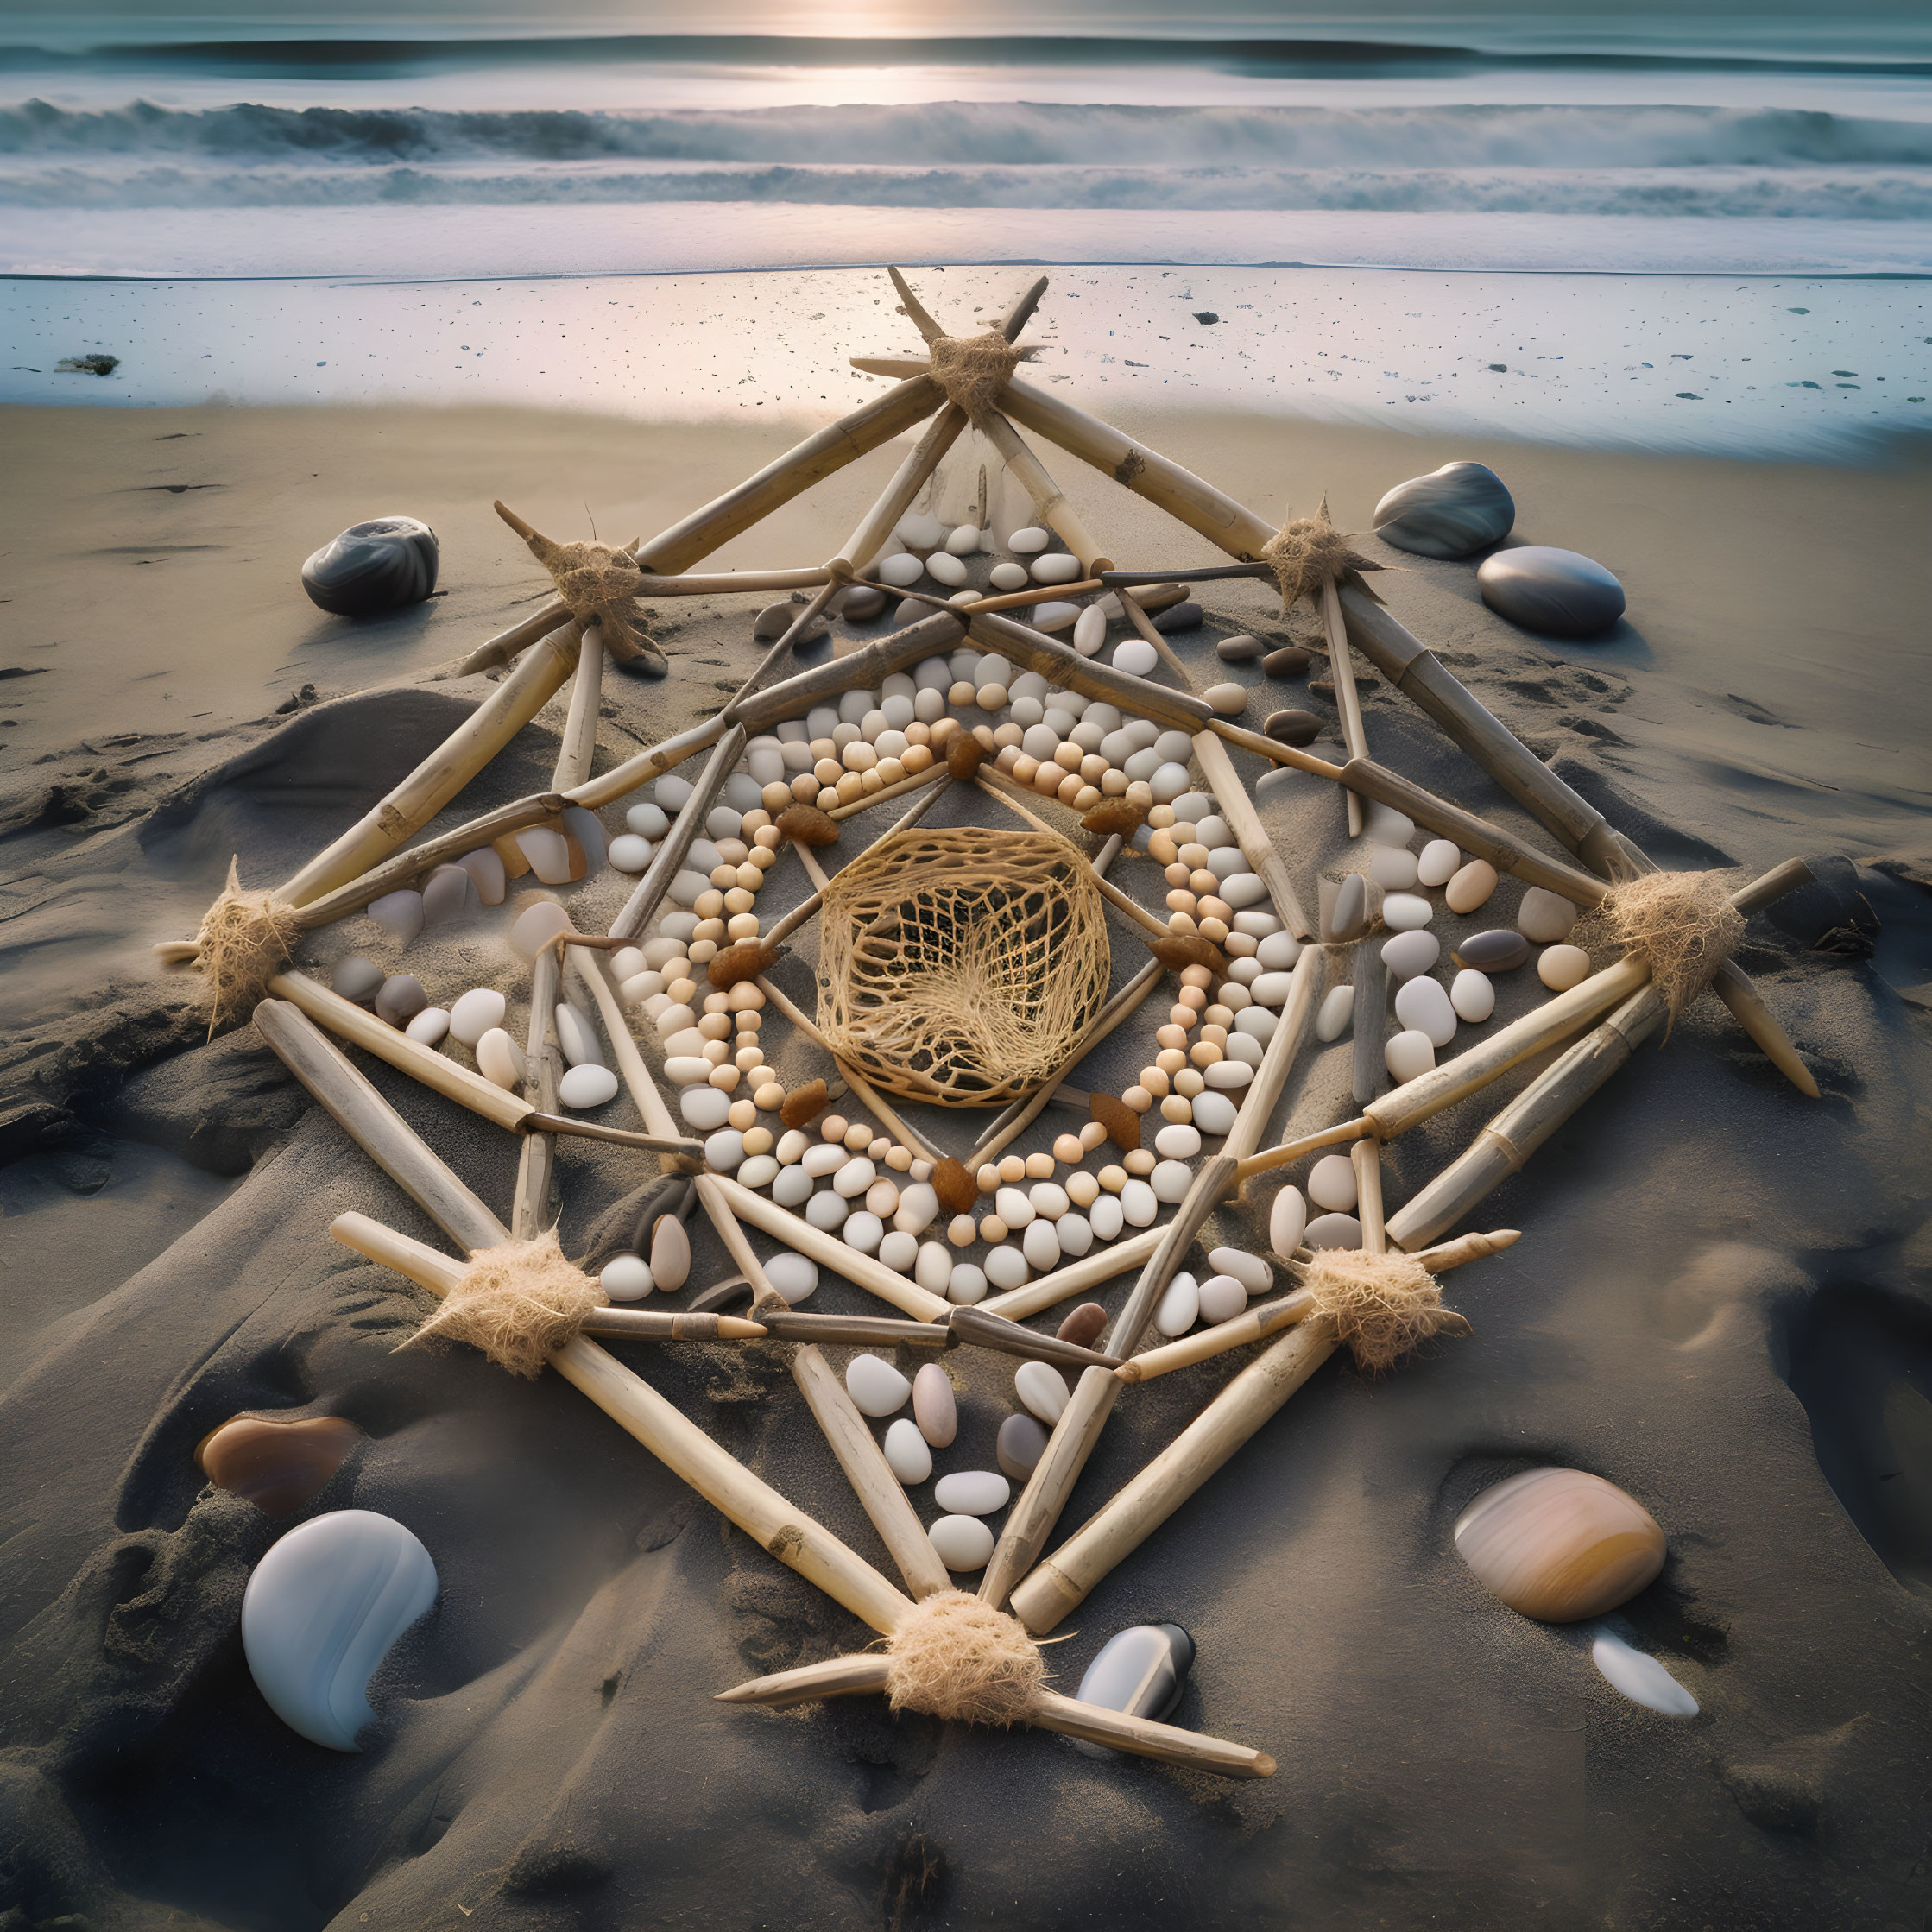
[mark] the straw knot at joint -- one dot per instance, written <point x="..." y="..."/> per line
<point x="955" y="1656"/>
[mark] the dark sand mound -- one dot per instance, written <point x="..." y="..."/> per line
<point x="1721" y="1303"/>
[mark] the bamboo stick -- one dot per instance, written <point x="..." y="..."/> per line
<point x="861" y="670"/>
<point x="668" y="859"/>
<point x="1365" y="1157"/>
<point x="879" y="1491"/>
<point x="1273" y="750"/>
<point x="594" y="794"/>
<point x="536" y="1159"/>
<point x="776" y="1524"/>
<point x="987" y="1330"/>
<point x="1005" y="600"/>
<point x="1255" y="1325"/>
<point x="577" y="749"/>
<point x="1291" y="1151"/>
<point x="1733" y="985"/>
<point x="1102" y="1264"/>
<point x="1050" y="501"/>
<point x="854" y="1331"/>
<point x="1348" y="699"/>
<point x="410" y="804"/>
<point x="862" y="1270"/>
<point x="1141" y="1737"/>
<point x="1032" y="1518"/>
<point x="935" y="773"/>
<point x="374" y="1126"/>
<point x="861" y="549"/>
<point x="637" y="1324"/>
<point x="1245" y="822"/>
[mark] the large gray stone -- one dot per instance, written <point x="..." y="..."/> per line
<point x="1557" y="593"/>
<point x="1462" y="509"/>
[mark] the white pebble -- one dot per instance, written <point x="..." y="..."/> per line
<point x="1422" y="1004"/>
<point x="587" y="1086"/>
<point x="1410" y="953"/>
<point x="1138" y="1204"/>
<point x="499" y="1059"/>
<point x="826" y="1210"/>
<point x="917" y="1206"/>
<point x="647" y="821"/>
<point x="1029" y="541"/>
<point x="1440" y="861"/>
<point x="1135" y="656"/>
<point x="627" y="1278"/>
<point x="1214" y="1113"/>
<point x="1222" y="1297"/>
<point x="1089" y="630"/>
<point x="1269" y="989"/>
<point x="1076" y="1234"/>
<point x="854" y="1177"/>
<point x="475" y="1013"/>
<point x="672" y="792"/>
<point x="703" y="1107"/>
<point x="1393" y="867"/>
<point x="760" y="1171"/>
<point x="1012" y="1207"/>
<point x="966" y="1285"/>
<point x="1244" y="889"/>
<point x="429" y="1025"/>
<point x="824" y="1157"/>
<point x="875" y="1387"/>
<point x="1229" y="700"/>
<point x="907" y="1454"/>
<point x="629" y="853"/>
<point x="1106" y="1217"/>
<point x="1169" y="781"/>
<point x="962" y="1542"/>
<point x="1287" y="1220"/>
<point x="1056" y="567"/>
<point x="536" y="927"/>
<point x="1006" y="1267"/>
<point x="1179" y="1306"/>
<point x="1338" y="1008"/>
<point x="972" y="1492"/>
<point x="902" y="571"/>
<point x="577" y="1037"/>
<point x="1406" y="912"/>
<point x="1008" y="577"/>
<point x="1048" y="1199"/>
<point x="1472" y="995"/>
<point x="724" y="1150"/>
<point x="1331" y="1184"/>
<point x="1170" y="1179"/>
<point x="932" y="1267"/>
<point x="1228" y="1076"/>
<point x="1641" y="1678"/>
<point x="1334" y="1231"/>
<point x="1040" y="1244"/>
<point x="1042" y="1388"/>
<point x="1055" y="616"/>
<point x="794" y="1276"/>
<point x="1178" y="1141"/>
<point x="1408" y="1055"/>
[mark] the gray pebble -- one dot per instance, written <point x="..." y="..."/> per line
<point x="400" y="999"/>
<point x="1185" y="616"/>
<point x="1556" y="592"/>
<point x="1498" y="951"/>
<point x="1022" y="1442"/>
<point x="371" y="567"/>
<point x="861" y="603"/>
<point x="1292" y="728"/>
<point x="1141" y="1671"/>
<point x="356" y="978"/>
<point x="1238" y="649"/>
<point x="775" y="619"/>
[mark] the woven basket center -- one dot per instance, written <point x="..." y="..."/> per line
<point x="962" y="966"/>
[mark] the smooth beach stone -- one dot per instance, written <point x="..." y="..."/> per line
<point x="647" y="820"/>
<point x="861" y="603"/>
<point x="1074" y="1234"/>
<point x="966" y="1285"/>
<point x="1333" y="1231"/>
<point x="1007" y="1267"/>
<point x="1393" y="867"/>
<point x="587" y="1086"/>
<point x="827" y="1211"/>
<point x="1168" y="782"/>
<point x="1029" y="540"/>
<point x="1170" y="1179"/>
<point x="760" y="1171"/>
<point x="1048" y="1199"/>
<point x="358" y="979"/>
<point x="670" y="1254"/>
<point x="1250" y="1270"/>
<point x="1040" y="1245"/>
<point x="1008" y="577"/>
<point x="500" y="1060"/>
<point x="921" y="529"/>
<point x="775" y="619"/>
<point x="447" y="894"/>
<point x="1406" y="912"/>
<point x="1228" y="700"/>
<point x="1178" y="1141"/>
<point x="382" y="564"/>
<point x="1179" y="1306"/>
<point x="1292" y="727"/>
<point x="486" y="873"/>
<point x="1441" y="860"/>
<point x="1287" y="1223"/>
<point x="919" y="1207"/>
<point x="1244" y="889"/>
<point x="943" y="567"/>
<point x="1408" y="1055"/>
<point x="629" y="853"/>
<point x="906" y="1453"/>
<point x="1337" y="1011"/>
<point x="935" y="1409"/>
<point x="724" y="1150"/>
<point x="322" y="1611"/>
<point x="703" y="1107"/>
<point x="1136" y="656"/>
<point x="1642" y="1679"/>
<point x="875" y="1387"/>
<point x="962" y="1542"/>
<point x="1410" y="953"/>
<point x="1089" y="630"/>
<point x="1348" y="918"/>
<point x="1084" y="1326"/>
<point x="1138" y="1204"/>
<point x="972" y="1493"/>
<point x="1106" y="1217"/>
<point x="963" y="540"/>
<point x="1013" y="1207"/>
<point x="1560" y="1544"/>
<point x="1472" y="995"/>
<point x="902" y="570"/>
<point x="1054" y="616"/>
<point x="1018" y="1447"/>
<point x="1544" y="917"/>
<point x="1471" y="886"/>
<point x="1238" y="648"/>
<point x="794" y="1276"/>
<point x="1184" y="616"/>
<point x="1214" y="1113"/>
<point x="1141" y="1670"/>
<point x="475" y="1013"/>
<point x="1422" y="1004"/>
<point x="1558" y="593"/>
<point x="577" y="1037"/>
<point x="1290" y="660"/>
<point x="1277" y="952"/>
<point x="1331" y="1184"/>
<point x="400" y="999"/>
<point x="1459" y="509"/>
<point x="429" y="1025"/>
<point x="1056" y="567"/>
<point x="896" y="1251"/>
<point x="400" y="915"/>
<point x="1560" y="968"/>
<point x="1498" y="950"/>
<point x="535" y="927"/>
<point x="276" y="1464"/>
<point x="1222" y="1297"/>
<point x="627" y="1278"/>
<point x="1042" y="1388"/>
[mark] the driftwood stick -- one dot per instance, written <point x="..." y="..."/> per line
<point x="934" y="774"/>
<point x="1348" y="699"/>
<point x="1004" y="600"/>
<point x="1104" y="1263"/>
<point x="1060" y="664"/>
<point x="1032" y="1518"/>
<point x="621" y="780"/>
<point x="880" y="1493"/>
<point x="861" y="549"/>
<point x="1050" y="501"/>
<point x="986" y="1330"/>
<point x="536" y="1159"/>
<point x="776" y="1524"/>
<point x="1258" y="1323"/>
<point x="1365" y="1157"/>
<point x="577" y="749"/>
<point x="637" y="1324"/>
<point x="854" y="1331"/>
<point x="412" y="802"/>
<point x="1291" y="1151"/>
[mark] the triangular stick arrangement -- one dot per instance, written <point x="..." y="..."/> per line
<point x="1227" y="1061"/>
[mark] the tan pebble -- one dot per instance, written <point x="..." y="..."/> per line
<point x="1039" y="1167"/>
<point x="1471" y="886"/>
<point x="858" y="1137"/>
<point x="1560" y="968"/>
<point x="1177" y="1107"/>
<point x="1083" y="1189"/>
<point x="962" y="1230"/>
<point x="1068" y="1151"/>
<point x="1560" y="1544"/>
<point x="1138" y="1098"/>
<point x="989" y="1178"/>
<point x="742" y="1114"/>
<point x="993" y="1230"/>
<point x="1013" y="1169"/>
<point x="1113" y="1179"/>
<point x="1091" y="1136"/>
<point x="758" y="1139"/>
<point x="899" y="1159"/>
<point x="769" y="1099"/>
<point x="833" y="1126"/>
<point x="1140" y="1161"/>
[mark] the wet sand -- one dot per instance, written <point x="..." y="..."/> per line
<point x="1721" y="1300"/>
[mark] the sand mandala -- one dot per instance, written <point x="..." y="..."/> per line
<point x="962" y="974"/>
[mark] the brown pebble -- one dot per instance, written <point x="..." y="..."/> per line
<point x="1158" y="597"/>
<point x="1238" y="648"/>
<point x="274" y="1464"/>
<point x="1114" y="815"/>
<point x="775" y="619"/>
<point x="953" y="1181"/>
<point x="1324" y="687"/>
<point x="805" y="824"/>
<point x="745" y="960"/>
<point x="1290" y="661"/>
<point x="1292" y="728"/>
<point x="964" y="754"/>
<point x="1019" y="1445"/>
<point x="804" y="1103"/>
<point x="1121" y="1122"/>
<point x="1181" y="949"/>
<point x="1085" y="1326"/>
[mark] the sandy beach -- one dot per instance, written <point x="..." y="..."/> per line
<point x="1719" y="1302"/>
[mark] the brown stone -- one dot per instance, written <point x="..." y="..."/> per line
<point x="277" y="1464"/>
<point x="1121" y="1122"/>
<point x="805" y="824"/>
<point x="804" y="1103"/>
<point x="1290" y="661"/>
<point x="1123" y="815"/>
<point x="1085" y="1326"/>
<point x="964" y="754"/>
<point x="953" y="1181"/>
<point x="1182" y="949"/>
<point x="1292" y="728"/>
<point x="744" y="960"/>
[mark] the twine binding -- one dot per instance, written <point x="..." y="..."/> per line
<point x="518" y="1302"/>
<point x="973" y="370"/>
<point x="1308" y="552"/>
<point x="1382" y="1305"/>
<point x="246" y="939"/>
<point x="1683" y="922"/>
<point x="955" y="1656"/>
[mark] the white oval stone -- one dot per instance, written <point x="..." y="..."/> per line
<point x="322" y="1611"/>
<point x="1014" y="1208"/>
<point x="759" y="1172"/>
<point x="1043" y="1389"/>
<point x="1287" y="1222"/>
<point x="1029" y="541"/>
<point x="536" y="927"/>
<point x="703" y="1107"/>
<point x="1048" y="1199"/>
<point x="1076" y="1234"/>
<point x="1041" y="1246"/>
<point x="1269" y="989"/>
<point x="943" y="567"/>
<point x="1560" y="968"/>
<point x="1331" y="1184"/>
<point x="1410" y="953"/>
<point x="1393" y="867"/>
<point x="1244" y="889"/>
<point x="972" y="1492"/>
<point x="1055" y="616"/>
<point x="1408" y="1055"/>
<point x="863" y="1232"/>
<point x="917" y="1205"/>
<point x="629" y="853"/>
<point x="1106" y="1217"/>
<point x="1170" y="1179"/>
<point x="647" y="820"/>
<point x="907" y="1455"/>
<point x="1006" y="1267"/>
<point x="499" y="1059"/>
<point x="1544" y="917"/>
<point x="875" y="1387"/>
<point x="1168" y="782"/>
<point x="1406" y="912"/>
<point x="1179" y="1306"/>
<point x="587" y="1086"/>
<point x="962" y="1542"/>
<point x="1179" y="1140"/>
<point x="967" y="1284"/>
<point x="1440" y="861"/>
<point x="1337" y="1010"/>
<point x="429" y="1025"/>
<point x="1056" y="567"/>
<point x="794" y="1276"/>
<point x="854" y="1177"/>
<point x="724" y="1150"/>
<point x="1422" y="1004"/>
<point x="670" y="1254"/>
<point x="1008" y="577"/>
<point x="577" y="1038"/>
<point x="627" y="1278"/>
<point x="826" y="1210"/>
<point x="932" y="1267"/>
<point x="1229" y="700"/>
<point x="1472" y="995"/>
<point x="824" y="1158"/>
<point x="475" y="1013"/>
<point x="1228" y="1076"/>
<point x="1334" y="1231"/>
<point x="901" y="569"/>
<point x="1136" y="656"/>
<point x="1089" y="630"/>
<point x="1138" y="1204"/>
<point x="1250" y="1270"/>
<point x="687" y="1070"/>
<point x="793" y="1186"/>
<point x="1642" y="1679"/>
<point x="1214" y="1113"/>
<point x="935" y="1411"/>
<point x="1222" y="1297"/>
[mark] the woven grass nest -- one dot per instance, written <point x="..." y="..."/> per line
<point x="960" y="966"/>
